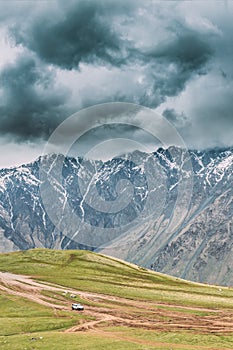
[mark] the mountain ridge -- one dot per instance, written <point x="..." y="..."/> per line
<point x="199" y="248"/>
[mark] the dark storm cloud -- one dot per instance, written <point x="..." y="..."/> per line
<point x="31" y="104"/>
<point x="147" y="52"/>
<point x="177" y="119"/>
<point x="81" y="33"/>
<point x="188" y="50"/>
<point x="86" y="31"/>
<point x="166" y="69"/>
<point x="187" y="55"/>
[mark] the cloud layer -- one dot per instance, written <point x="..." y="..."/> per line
<point x="175" y="57"/>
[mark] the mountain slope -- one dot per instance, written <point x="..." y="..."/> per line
<point x="68" y="203"/>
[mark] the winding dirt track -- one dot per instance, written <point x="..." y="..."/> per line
<point x="109" y="311"/>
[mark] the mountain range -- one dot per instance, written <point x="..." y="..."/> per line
<point x="170" y="210"/>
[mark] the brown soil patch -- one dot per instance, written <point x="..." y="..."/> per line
<point x="121" y="311"/>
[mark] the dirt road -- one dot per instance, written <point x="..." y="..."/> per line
<point x="111" y="310"/>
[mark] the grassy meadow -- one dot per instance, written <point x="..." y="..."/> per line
<point x="28" y="325"/>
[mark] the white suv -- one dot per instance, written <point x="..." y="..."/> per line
<point x="78" y="307"/>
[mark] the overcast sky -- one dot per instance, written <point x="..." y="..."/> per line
<point x="58" y="57"/>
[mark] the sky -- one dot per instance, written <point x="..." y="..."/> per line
<point x="58" y="57"/>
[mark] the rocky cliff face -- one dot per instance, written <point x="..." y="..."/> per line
<point x="169" y="210"/>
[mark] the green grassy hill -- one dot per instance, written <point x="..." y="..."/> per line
<point x="135" y="308"/>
